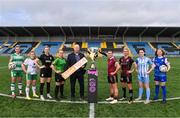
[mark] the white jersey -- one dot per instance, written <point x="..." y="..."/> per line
<point x="31" y="66"/>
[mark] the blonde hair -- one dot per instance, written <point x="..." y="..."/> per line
<point x="126" y="48"/>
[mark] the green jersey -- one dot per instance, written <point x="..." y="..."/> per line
<point x="18" y="59"/>
<point x="60" y="64"/>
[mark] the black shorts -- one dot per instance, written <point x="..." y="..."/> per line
<point x="46" y="72"/>
<point x="126" y="79"/>
<point x="58" y="78"/>
<point x="112" y="79"/>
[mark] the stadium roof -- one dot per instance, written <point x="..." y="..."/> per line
<point x="73" y="31"/>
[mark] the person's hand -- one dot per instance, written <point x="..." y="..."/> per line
<point x="42" y="66"/>
<point x="112" y="73"/>
<point x="129" y="72"/>
<point x="148" y="72"/>
<point x="59" y="72"/>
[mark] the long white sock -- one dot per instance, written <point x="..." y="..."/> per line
<point x="20" y="87"/>
<point x="27" y="91"/>
<point x="34" y="89"/>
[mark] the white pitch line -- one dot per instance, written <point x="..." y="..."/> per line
<point x="85" y="102"/>
<point x="92" y="110"/>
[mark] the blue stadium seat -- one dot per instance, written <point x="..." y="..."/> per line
<point x="95" y="44"/>
<point x="169" y="48"/>
<point x="134" y="46"/>
<point x="54" y="46"/>
<point x="26" y="47"/>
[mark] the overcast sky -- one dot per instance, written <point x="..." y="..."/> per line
<point x="90" y="12"/>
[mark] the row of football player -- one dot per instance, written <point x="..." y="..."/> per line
<point x="159" y="64"/>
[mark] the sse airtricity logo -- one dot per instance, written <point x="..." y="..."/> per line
<point x="92" y="85"/>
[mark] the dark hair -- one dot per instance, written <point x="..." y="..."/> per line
<point x="163" y="52"/>
<point x="141" y="49"/>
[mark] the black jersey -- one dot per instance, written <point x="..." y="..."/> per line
<point x="46" y="60"/>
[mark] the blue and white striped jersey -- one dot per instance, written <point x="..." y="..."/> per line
<point x="143" y="66"/>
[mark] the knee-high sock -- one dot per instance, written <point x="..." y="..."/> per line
<point x="48" y="87"/>
<point x="124" y="92"/>
<point x="27" y="91"/>
<point x="140" y="92"/>
<point x="13" y="88"/>
<point x="41" y="88"/>
<point x="62" y="89"/>
<point x="56" y="91"/>
<point x="164" y="92"/>
<point x="131" y="94"/>
<point x="156" y="91"/>
<point x="148" y="93"/>
<point x="20" y="87"/>
<point x="34" y="89"/>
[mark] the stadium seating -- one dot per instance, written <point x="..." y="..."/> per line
<point x="54" y="46"/>
<point x="95" y="44"/>
<point x="109" y="44"/>
<point x="26" y="47"/>
<point x="169" y="48"/>
<point x="135" y="46"/>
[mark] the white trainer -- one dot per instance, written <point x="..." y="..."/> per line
<point x="110" y="99"/>
<point x="147" y="102"/>
<point x="113" y="102"/>
<point x="42" y="97"/>
<point x="49" y="96"/>
<point x="123" y="98"/>
<point x="137" y="99"/>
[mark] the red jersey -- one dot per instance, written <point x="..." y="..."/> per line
<point x="126" y="64"/>
<point x="111" y="65"/>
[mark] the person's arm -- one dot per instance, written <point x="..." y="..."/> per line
<point x="53" y="66"/>
<point x="23" y="66"/>
<point x="36" y="61"/>
<point x="11" y="58"/>
<point x="136" y="66"/>
<point x="117" y="68"/>
<point x="168" y="65"/>
<point x="103" y="53"/>
<point x="133" y="66"/>
<point x="152" y="66"/>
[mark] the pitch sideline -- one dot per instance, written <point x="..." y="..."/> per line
<point x="85" y="102"/>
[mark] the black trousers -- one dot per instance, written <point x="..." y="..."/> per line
<point x="80" y="79"/>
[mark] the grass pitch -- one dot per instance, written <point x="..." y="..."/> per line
<point x="18" y="107"/>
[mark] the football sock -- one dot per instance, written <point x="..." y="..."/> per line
<point x="147" y="93"/>
<point x="56" y="91"/>
<point x="156" y="91"/>
<point x="27" y="91"/>
<point x="131" y="94"/>
<point x="13" y="88"/>
<point x="124" y="92"/>
<point x="48" y="87"/>
<point x="140" y="92"/>
<point x="41" y="88"/>
<point x="34" y="89"/>
<point x="164" y="92"/>
<point x="62" y="89"/>
<point x="20" y="87"/>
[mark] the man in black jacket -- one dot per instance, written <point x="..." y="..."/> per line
<point x="79" y="74"/>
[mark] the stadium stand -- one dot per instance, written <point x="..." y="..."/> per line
<point x="169" y="48"/>
<point x="54" y="46"/>
<point x="95" y="44"/>
<point x="135" y="46"/>
<point x="26" y="47"/>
